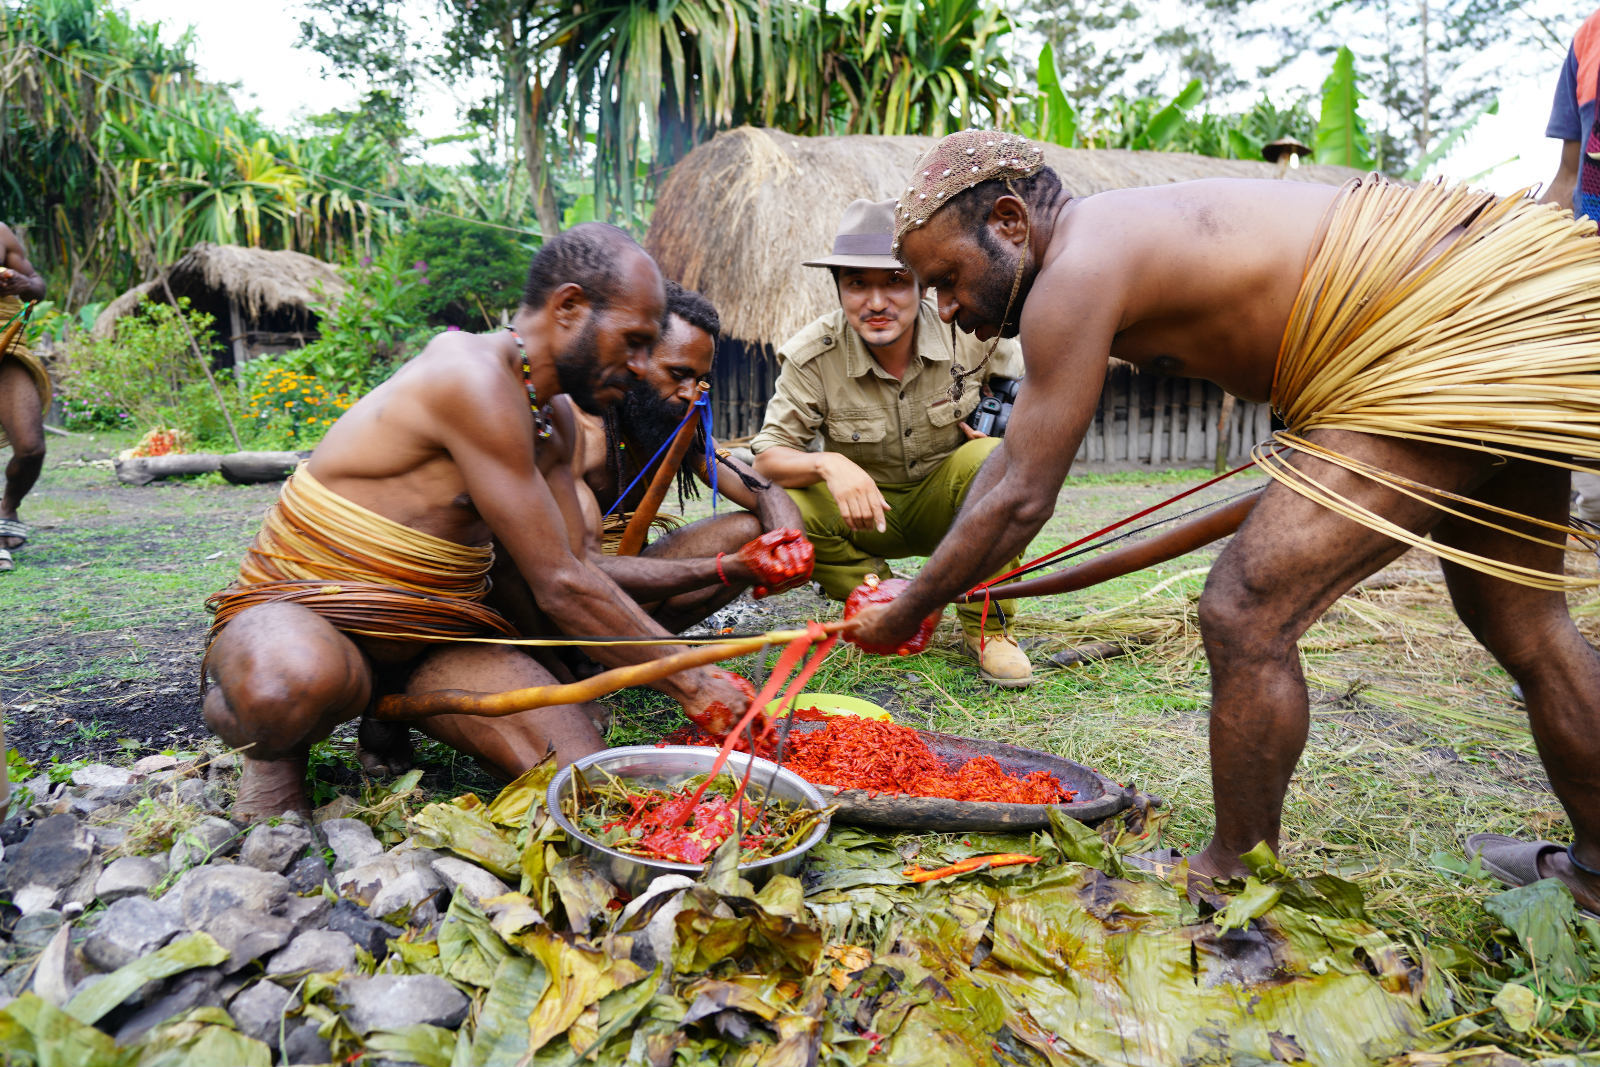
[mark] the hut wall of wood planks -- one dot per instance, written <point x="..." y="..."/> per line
<point x="1142" y="420"/>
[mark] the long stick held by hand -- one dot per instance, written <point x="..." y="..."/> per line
<point x="492" y="705"/>
<point x="639" y="525"/>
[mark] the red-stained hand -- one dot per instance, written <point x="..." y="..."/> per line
<point x="778" y="560"/>
<point x="718" y="705"/>
<point x="867" y="605"/>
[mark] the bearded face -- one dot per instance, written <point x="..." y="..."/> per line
<point x="583" y="377"/>
<point x="990" y="290"/>
<point x="649" y="417"/>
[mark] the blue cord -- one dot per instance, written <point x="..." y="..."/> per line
<point x="711" y="448"/>
<point x="704" y="403"/>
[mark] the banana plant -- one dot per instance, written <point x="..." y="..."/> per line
<point x="1341" y="137"/>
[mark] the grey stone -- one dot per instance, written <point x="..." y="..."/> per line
<point x="352" y="842"/>
<point x="315" y="952"/>
<point x="194" y="989"/>
<point x="308" y="874"/>
<point x="80" y="894"/>
<point x="32" y="899"/>
<point x="390" y="1001"/>
<point x="208" y="839"/>
<point x="107" y="837"/>
<point x="126" y="877"/>
<point x="191" y="791"/>
<point x="468" y="879"/>
<point x="208" y="891"/>
<point x="258" y="1011"/>
<point x="308" y="913"/>
<point x="35" y="931"/>
<point x="58" y="971"/>
<point x="98" y="775"/>
<point x="222" y="767"/>
<point x="371" y="934"/>
<point x="274" y="848"/>
<point x="130" y="928"/>
<point x="247" y="935"/>
<point x="54" y="855"/>
<point x="304" y="1045"/>
<point x="394" y="883"/>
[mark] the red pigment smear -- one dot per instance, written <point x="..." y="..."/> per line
<point x="881" y="757"/>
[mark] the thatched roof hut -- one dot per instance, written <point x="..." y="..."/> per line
<point x="738" y="215"/>
<point x="261" y="300"/>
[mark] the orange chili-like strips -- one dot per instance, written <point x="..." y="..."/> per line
<point x="966" y="866"/>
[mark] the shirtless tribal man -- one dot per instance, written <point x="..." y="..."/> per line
<point x="694" y="570"/>
<point x="1360" y="313"/>
<point x="379" y="545"/>
<point x="24" y="394"/>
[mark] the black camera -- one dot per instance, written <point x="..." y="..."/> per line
<point x="994" y="410"/>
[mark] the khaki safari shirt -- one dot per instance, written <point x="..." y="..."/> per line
<point x="897" y="431"/>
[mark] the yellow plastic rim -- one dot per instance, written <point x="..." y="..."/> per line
<point x="835" y="704"/>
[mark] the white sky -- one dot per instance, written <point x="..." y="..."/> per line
<point x="254" y="45"/>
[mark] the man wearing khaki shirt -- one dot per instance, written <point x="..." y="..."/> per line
<point x="873" y="380"/>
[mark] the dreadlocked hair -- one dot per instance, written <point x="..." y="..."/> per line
<point x="688" y="484"/>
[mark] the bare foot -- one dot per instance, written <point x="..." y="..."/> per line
<point x="1584" y="890"/>
<point x="268" y="788"/>
<point x="384" y="748"/>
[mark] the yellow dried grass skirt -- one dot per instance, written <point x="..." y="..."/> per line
<point x="1449" y="316"/>
<point x="19" y="351"/>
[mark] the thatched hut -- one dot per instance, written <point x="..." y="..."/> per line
<point x="259" y="299"/>
<point x="739" y="214"/>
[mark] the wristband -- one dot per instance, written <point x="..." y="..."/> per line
<point x="724" y="577"/>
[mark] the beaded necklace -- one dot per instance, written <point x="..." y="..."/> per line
<point x="541" y="420"/>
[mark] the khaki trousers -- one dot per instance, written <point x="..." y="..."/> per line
<point x="920" y="514"/>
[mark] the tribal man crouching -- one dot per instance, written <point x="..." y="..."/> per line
<point x="690" y="572"/>
<point x="377" y="553"/>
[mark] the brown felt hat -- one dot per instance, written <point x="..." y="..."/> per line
<point x="864" y="240"/>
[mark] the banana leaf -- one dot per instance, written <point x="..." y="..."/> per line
<point x="196" y="950"/>
<point x="467" y="831"/>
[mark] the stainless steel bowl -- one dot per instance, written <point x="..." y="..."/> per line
<point x="667" y="768"/>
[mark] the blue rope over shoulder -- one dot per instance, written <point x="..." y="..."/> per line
<point x="703" y="404"/>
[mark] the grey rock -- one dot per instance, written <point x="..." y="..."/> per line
<point x="58" y="971"/>
<point x="247" y="935"/>
<point x="468" y="879"/>
<point x="308" y="874"/>
<point x="394" y="883"/>
<point x="107" y="837"/>
<point x="352" y="920"/>
<point x="274" y="848"/>
<point x="352" y="842"/>
<point x="222" y="767"/>
<point x="191" y="791"/>
<point x="31" y="899"/>
<point x="208" y="839"/>
<point x="126" y="877"/>
<point x="54" y="855"/>
<point x="259" y="1011"/>
<point x="130" y="928"/>
<point x="80" y="894"/>
<point x="315" y="952"/>
<point x="216" y="797"/>
<point x="195" y="989"/>
<point x="208" y="891"/>
<point x="35" y="931"/>
<point x="99" y="775"/>
<point x="304" y="1045"/>
<point x="308" y="913"/>
<point x="389" y="1002"/>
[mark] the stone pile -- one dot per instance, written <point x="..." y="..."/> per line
<point x="283" y="902"/>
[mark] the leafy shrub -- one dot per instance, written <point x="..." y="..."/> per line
<point x="368" y="331"/>
<point x="90" y="409"/>
<point x="473" y="272"/>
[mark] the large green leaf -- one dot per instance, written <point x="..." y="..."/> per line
<point x="1341" y="137"/>
<point x="185" y="954"/>
<point x="1058" y="122"/>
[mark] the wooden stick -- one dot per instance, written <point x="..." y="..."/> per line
<point x="401" y="707"/>
<point x="639" y="525"/>
<point x="1147" y="553"/>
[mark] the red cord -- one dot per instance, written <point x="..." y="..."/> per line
<point x="983" y="587"/>
<point x="724" y="577"/>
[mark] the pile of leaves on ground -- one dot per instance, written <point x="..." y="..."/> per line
<point x="499" y="944"/>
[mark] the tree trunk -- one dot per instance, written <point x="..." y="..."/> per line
<point x="529" y="135"/>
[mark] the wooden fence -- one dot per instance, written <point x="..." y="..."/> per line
<point x="1142" y="419"/>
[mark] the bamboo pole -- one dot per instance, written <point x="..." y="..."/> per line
<point x="403" y="707"/>
<point x="1137" y="556"/>
<point x="639" y="525"/>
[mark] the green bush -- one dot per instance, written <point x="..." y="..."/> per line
<point x="470" y="272"/>
<point x="145" y="376"/>
<point x="369" y="330"/>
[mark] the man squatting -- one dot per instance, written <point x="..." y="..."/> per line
<point x="1433" y="354"/>
<point x="378" y="552"/>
